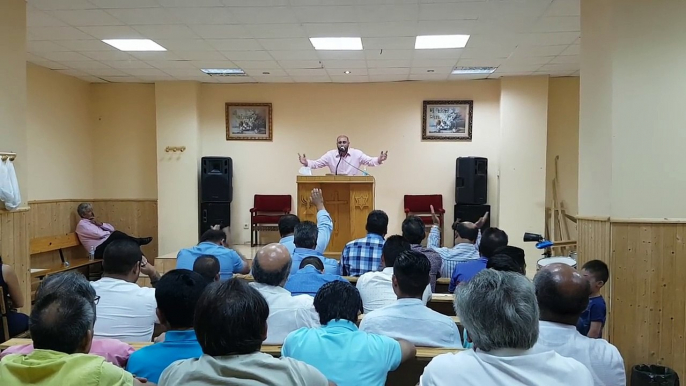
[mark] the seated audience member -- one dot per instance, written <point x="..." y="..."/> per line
<point x="466" y="240"/>
<point x="213" y="242"/>
<point x="287" y="313"/>
<point x="126" y="311"/>
<point x="376" y="288"/>
<point x="592" y="320"/>
<point x="338" y="349"/>
<point x="309" y="278"/>
<point x="62" y="331"/>
<point x="305" y="239"/>
<point x="208" y="267"/>
<point x="231" y="325"/>
<point x="95" y="234"/>
<point x="491" y="240"/>
<point x="364" y="255"/>
<point x="499" y="310"/>
<point x="504" y="263"/>
<point x="409" y="318"/>
<point x="414" y="232"/>
<point x="562" y="295"/>
<point x="516" y="254"/>
<point x="176" y="293"/>
<point x="9" y="282"/>
<point x="73" y="282"/>
<point x="288" y="222"/>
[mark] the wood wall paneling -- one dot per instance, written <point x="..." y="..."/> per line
<point x="14" y="249"/>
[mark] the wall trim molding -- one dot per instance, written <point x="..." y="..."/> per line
<point x="92" y="200"/>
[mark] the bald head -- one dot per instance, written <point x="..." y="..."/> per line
<point x="271" y="265"/>
<point x="562" y="293"/>
<point x="465" y="232"/>
<point x="342" y="143"/>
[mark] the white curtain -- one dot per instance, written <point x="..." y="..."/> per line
<point x="9" y="186"/>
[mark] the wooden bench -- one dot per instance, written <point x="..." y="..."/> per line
<point x="53" y="243"/>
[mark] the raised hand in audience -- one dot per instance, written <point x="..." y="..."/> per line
<point x="482" y="221"/>
<point x="434" y="217"/>
<point x="317" y="198"/>
<point x="383" y="156"/>
<point x="303" y="159"/>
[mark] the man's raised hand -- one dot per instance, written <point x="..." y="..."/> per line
<point x="303" y="159"/>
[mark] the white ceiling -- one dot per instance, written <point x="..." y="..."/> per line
<point x="269" y="38"/>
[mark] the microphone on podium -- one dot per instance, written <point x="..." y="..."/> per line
<point x="364" y="172"/>
<point x="341" y="153"/>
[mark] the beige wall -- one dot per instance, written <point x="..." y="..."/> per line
<point x="563" y="141"/>
<point x="383" y="116"/>
<point x="60" y="139"/>
<point x="124" y="152"/>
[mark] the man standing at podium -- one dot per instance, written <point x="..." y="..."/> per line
<point x="344" y="160"/>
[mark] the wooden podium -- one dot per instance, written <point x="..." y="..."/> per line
<point x="348" y="199"/>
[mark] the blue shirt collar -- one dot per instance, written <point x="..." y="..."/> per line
<point x="309" y="269"/>
<point x="309" y="252"/>
<point x="340" y="324"/>
<point x="410" y="301"/>
<point x="180" y="336"/>
<point x="374" y="236"/>
<point x="287" y="239"/>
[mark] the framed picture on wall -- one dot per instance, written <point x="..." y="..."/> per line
<point x="248" y="121"/>
<point x="447" y="120"/>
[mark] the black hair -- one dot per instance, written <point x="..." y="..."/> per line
<point x="414" y="229"/>
<point x="121" y="256"/>
<point x="516" y="253"/>
<point x="491" y="240"/>
<point x="213" y="236"/>
<point x="551" y="299"/>
<point x="392" y="248"/>
<point x="377" y="222"/>
<point x="411" y="270"/>
<point x="337" y="300"/>
<point x="207" y="266"/>
<point x="60" y="321"/>
<point x="305" y="235"/>
<point x="230" y="318"/>
<point x="598" y="269"/>
<point x="71" y="282"/>
<point x="287" y="224"/>
<point x="177" y="294"/>
<point x="313" y="261"/>
<point x="470" y="233"/>
<point x="504" y="263"/>
<point x="273" y="278"/>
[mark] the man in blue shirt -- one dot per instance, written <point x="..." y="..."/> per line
<point x="491" y="240"/>
<point x="176" y="293"/>
<point x="364" y="255"/>
<point x="213" y="243"/>
<point x="309" y="278"/>
<point x="288" y="222"/>
<point x="305" y="239"/>
<point x="345" y="355"/>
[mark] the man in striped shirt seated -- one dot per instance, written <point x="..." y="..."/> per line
<point x="364" y="255"/>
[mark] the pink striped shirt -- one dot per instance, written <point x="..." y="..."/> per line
<point x="347" y="166"/>
<point x="92" y="235"/>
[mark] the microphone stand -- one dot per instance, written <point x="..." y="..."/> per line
<point x="340" y="158"/>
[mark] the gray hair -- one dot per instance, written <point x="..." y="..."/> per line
<point x="68" y="282"/>
<point x="83" y="208"/>
<point x="60" y="322"/>
<point x="499" y="310"/>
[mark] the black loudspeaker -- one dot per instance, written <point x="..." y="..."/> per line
<point x="472" y="213"/>
<point x="216" y="174"/>
<point x="213" y="213"/>
<point x="471" y="180"/>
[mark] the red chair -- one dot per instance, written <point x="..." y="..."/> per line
<point x="419" y="205"/>
<point x="266" y="213"/>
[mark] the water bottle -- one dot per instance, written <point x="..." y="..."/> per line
<point x="91" y="254"/>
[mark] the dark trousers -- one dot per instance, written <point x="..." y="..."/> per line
<point x="116" y="235"/>
<point x="16" y="324"/>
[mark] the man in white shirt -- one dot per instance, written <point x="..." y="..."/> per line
<point x="376" y="288"/>
<point x="125" y="310"/>
<point x="562" y="295"/>
<point x="499" y="311"/>
<point x="409" y="318"/>
<point x="271" y="267"/>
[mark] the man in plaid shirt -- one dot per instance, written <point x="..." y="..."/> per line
<point x="364" y="255"/>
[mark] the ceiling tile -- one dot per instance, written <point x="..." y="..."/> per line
<point x="157" y="78"/>
<point x="326" y="14"/>
<point x="255" y="3"/>
<point x="306" y="72"/>
<point x="549" y="39"/>
<point x="431" y="70"/>
<point x="538" y="50"/>
<point x="560" y="67"/>
<point x="340" y="55"/>
<point x="349" y="78"/>
<point x="247" y="55"/>
<point x="106" y="72"/>
<point x="311" y="79"/>
<point x="428" y="77"/>
<point x="202" y="78"/>
<point x="44" y="46"/>
<point x="235" y="44"/>
<point x="446" y="11"/>
<point x="165" y="31"/>
<point x="499" y="74"/>
<point x="486" y="52"/>
<point x="221" y="31"/>
<point x="57" y="33"/>
<point x="256" y="64"/>
<point x="37" y="18"/>
<point x="528" y="60"/>
<point x="51" y="65"/>
<point x="389" y="71"/>
<point x="467" y="77"/>
<point x="431" y="63"/>
<point x="564" y="8"/>
<point x="451" y="27"/>
<point x="86" y="17"/>
<point x="87" y="45"/>
<point x="213" y="64"/>
<point x="164" y="55"/>
<point x="558" y="24"/>
<point x="277" y="31"/>
<point x="389" y="63"/>
<point x="344" y="64"/>
<point x="566" y="59"/>
<point x="388" y="54"/>
<point x="518" y="67"/>
<point x="273" y="79"/>
<point x="127" y="64"/>
<point x="234" y="79"/>
<point x="112" y="32"/>
<point x="185" y="44"/>
<point x="171" y="64"/>
<point x="200" y="55"/>
<point x="454" y="54"/>
<point x="183" y="71"/>
<point x="286" y="44"/>
<point x="262" y="15"/>
<point x="85" y="65"/>
<point x="61" y="4"/>
<point x="323" y="30"/>
<point x="122" y="79"/>
<point x="388" y="29"/>
<point x="72" y="72"/>
<point x="144" y="71"/>
<point x="144" y="16"/>
<point x="480" y="62"/>
<point x="107" y="55"/>
<point x="64" y="56"/>
<point x="188" y="4"/>
<point x="399" y="43"/>
<point x="574" y="49"/>
<point x="125" y="3"/>
<point x="388" y="78"/>
<point x="310" y="54"/>
<point x="295" y="64"/>
<point x="380" y="13"/>
<point x="264" y="72"/>
<point x="202" y="16"/>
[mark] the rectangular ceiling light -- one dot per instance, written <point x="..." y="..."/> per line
<point x="473" y="70"/>
<point x="134" y="44"/>
<point x="430" y="42"/>
<point x="341" y="44"/>
<point x="223" y="71"/>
